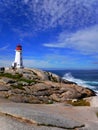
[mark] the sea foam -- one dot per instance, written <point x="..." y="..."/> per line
<point x="70" y="77"/>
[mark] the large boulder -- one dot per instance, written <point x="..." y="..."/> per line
<point x="37" y="86"/>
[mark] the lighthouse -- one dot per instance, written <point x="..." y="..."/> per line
<point x="18" y="63"/>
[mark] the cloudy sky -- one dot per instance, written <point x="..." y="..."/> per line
<point x="53" y="33"/>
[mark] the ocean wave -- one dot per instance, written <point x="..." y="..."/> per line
<point x="96" y="92"/>
<point x="92" y="82"/>
<point x="70" y="77"/>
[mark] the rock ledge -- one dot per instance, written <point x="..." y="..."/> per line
<point x="37" y="86"/>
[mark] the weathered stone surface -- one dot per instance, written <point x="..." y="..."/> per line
<point x="93" y="101"/>
<point x="8" y="123"/>
<point x="40" y="74"/>
<point x="37" y="86"/>
<point x="23" y="83"/>
<point x="40" y="87"/>
<point x="4" y="87"/>
<point x="54" y="97"/>
<point x="40" y="116"/>
<point x="16" y="116"/>
<point x="6" y="80"/>
<point x="24" y="99"/>
<point x="49" y="89"/>
<point x="4" y="94"/>
<point x="16" y="91"/>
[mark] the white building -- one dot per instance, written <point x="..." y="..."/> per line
<point x="18" y="63"/>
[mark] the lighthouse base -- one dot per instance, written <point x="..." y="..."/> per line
<point x="15" y="65"/>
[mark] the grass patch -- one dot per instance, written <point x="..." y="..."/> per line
<point x="18" y="77"/>
<point x="50" y="102"/>
<point x="8" y="75"/>
<point x="19" y="86"/>
<point x="80" y="102"/>
<point x="27" y="80"/>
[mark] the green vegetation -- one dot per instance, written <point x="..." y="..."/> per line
<point x="27" y="80"/>
<point x="17" y="76"/>
<point x="80" y="102"/>
<point x="50" y="102"/>
<point x="19" y="86"/>
<point x="8" y="75"/>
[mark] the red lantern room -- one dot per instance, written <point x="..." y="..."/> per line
<point x="18" y="48"/>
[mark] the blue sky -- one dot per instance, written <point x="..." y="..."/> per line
<point x="54" y="33"/>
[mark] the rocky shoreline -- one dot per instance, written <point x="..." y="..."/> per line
<point x="58" y="116"/>
<point x="37" y="86"/>
<point x="32" y="99"/>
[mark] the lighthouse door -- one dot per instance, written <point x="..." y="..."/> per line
<point x="15" y="64"/>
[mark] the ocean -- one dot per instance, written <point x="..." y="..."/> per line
<point x="85" y="78"/>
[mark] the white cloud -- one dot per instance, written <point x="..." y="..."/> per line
<point x="43" y="14"/>
<point x="5" y="63"/>
<point x="85" y="40"/>
<point x="22" y="34"/>
<point x="4" y="48"/>
<point x="54" y="60"/>
<point x="36" y="63"/>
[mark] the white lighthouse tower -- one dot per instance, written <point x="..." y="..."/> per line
<point x="18" y="63"/>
